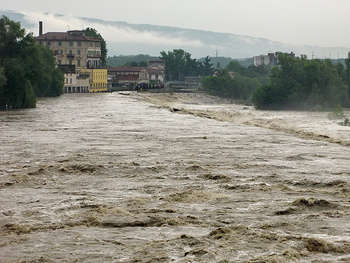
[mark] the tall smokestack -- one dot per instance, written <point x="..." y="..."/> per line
<point x="40" y="28"/>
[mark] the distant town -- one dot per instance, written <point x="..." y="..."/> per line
<point x="75" y="61"/>
<point x="79" y="57"/>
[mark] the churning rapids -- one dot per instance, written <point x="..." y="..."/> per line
<point x="171" y="178"/>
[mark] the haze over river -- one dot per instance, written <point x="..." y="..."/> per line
<point x="171" y="178"/>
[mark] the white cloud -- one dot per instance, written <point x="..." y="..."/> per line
<point x="115" y="34"/>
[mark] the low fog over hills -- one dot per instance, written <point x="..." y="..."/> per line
<point x="125" y="38"/>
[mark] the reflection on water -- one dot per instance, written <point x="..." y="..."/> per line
<point x="113" y="178"/>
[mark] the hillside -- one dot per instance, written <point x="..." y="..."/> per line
<point x="125" y="38"/>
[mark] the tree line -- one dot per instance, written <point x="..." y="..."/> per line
<point x="179" y="64"/>
<point x="236" y="81"/>
<point x="295" y="83"/>
<point x="27" y="70"/>
<point x="300" y="83"/>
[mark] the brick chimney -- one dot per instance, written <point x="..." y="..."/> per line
<point x="40" y="28"/>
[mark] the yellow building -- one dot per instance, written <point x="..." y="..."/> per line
<point x="98" y="80"/>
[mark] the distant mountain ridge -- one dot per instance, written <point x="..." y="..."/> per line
<point x="125" y="38"/>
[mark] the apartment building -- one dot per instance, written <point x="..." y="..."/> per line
<point x="78" y="56"/>
<point x="269" y="59"/>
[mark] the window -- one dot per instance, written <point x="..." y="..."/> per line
<point x="70" y="62"/>
<point x="70" y="81"/>
<point x="48" y="43"/>
<point x="70" y="52"/>
<point x="59" y="62"/>
<point x="79" y="44"/>
<point x="78" y="62"/>
<point x="71" y="43"/>
<point x="79" y="51"/>
<point x="59" y="43"/>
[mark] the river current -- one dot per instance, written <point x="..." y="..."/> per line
<point x="128" y="177"/>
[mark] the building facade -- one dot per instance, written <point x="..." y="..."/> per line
<point x="156" y="71"/>
<point x="76" y="83"/>
<point x="127" y="75"/>
<point x="98" y="80"/>
<point x="150" y="76"/>
<point x="75" y="53"/>
<point x="269" y="59"/>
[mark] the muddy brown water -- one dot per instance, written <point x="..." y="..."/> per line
<point x="115" y="178"/>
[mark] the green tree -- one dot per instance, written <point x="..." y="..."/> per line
<point x="236" y="82"/>
<point x="347" y="72"/>
<point x="27" y="70"/>
<point x="303" y="83"/>
<point x="226" y="85"/>
<point x="2" y="87"/>
<point x="57" y="83"/>
<point x="206" y="67"/>
<point x="29" y="99"/>
<point x="179" y="64"/>
<point x="17" y="93"/>
<point x="2" y="78"/>
<point x="11" y="34"/>
<point x="235" y="66"/>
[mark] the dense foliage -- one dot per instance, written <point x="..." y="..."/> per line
<point x="222" y="62"/>
<point x="91" y="32"/>
<point x="228" y="85"/>
<point x="179" y="64"/>
<point x="236" y="82"/>
<point x="27" y="70"/>
<point x="302" y="83"/>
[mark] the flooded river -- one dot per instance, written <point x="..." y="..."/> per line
<point x="171" y="178"/>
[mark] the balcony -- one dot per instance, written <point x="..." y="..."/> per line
<point x="94" y="53"/>
<point x="70" y="56"/>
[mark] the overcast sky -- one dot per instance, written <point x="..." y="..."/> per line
<point x="314" y="22"/>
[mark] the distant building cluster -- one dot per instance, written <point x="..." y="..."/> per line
<point x="80" y="59"/>
<point x="151" y="76"/>
<point x="269" y="59"/>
